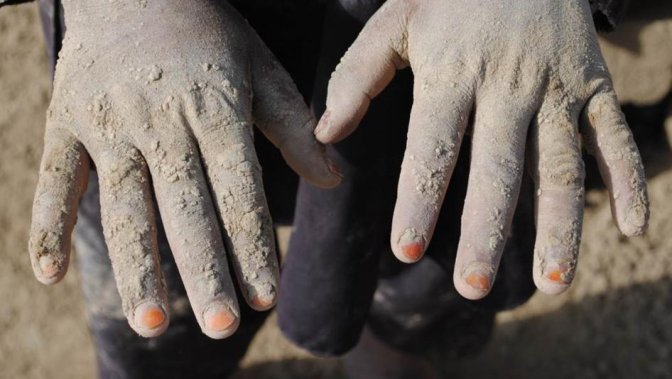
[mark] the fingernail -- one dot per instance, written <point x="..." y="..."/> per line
<point x="637" y="219"/>
<point x="555" y="276"/>
<point x="334" y="168"/>
<point x="412" y="244"/>
<point x="219" y="319"/>
<point x="262" y="303"/>
<point x="324" y="122"/>
<point x="558" y="273"/>
<point x="48" y="266"/>
<point x="149" y="316"/>
<point x="413" y="250"/>
<point x="478" y="280"/>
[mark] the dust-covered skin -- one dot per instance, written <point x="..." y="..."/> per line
<point x="162" y="96"/>
<point x="532" y="75"/>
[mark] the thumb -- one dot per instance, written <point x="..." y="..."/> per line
<point x="365" y="70"/>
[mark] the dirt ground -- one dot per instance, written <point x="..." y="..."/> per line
<point x="615" y="321"/>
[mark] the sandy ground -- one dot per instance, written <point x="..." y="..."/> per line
<point x="615" y="321"/>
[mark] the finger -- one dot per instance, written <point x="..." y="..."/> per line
<point x="365" y="70"/>
<point x="438" y="120"/>
<point x="498" y="147"/>
<point x="130" y="233"/>
<point x="609" y="139"/>
<point x="234" y="173"/>
<point x="63" y="178"/>
<point x="558" y="171"/>
<point x="282" y="115"/>
<point x="192" y="230"/>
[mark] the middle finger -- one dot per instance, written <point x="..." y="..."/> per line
<point x="191" y="226"/>
<point x="226" y="141"/>
<point x="498" y="149"/>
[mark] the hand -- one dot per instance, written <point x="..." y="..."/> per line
<point x="162" y="96"/>
<point x="530" y="72"/>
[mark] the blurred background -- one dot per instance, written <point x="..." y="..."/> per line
<point x="616" y="321"/>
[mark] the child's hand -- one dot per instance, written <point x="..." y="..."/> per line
<point x="529" y="72"/>
<point x="162" y="96"/>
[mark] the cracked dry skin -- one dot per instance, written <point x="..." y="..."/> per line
<point x="163" y="96"/>
<point x="532" y="76"/>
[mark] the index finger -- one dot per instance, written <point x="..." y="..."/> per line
<point x="281" y="114"/>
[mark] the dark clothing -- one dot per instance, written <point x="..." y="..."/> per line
<point x="608" y="13"/>
<point x="340" y="272"/>
<point x="13" y="2"/>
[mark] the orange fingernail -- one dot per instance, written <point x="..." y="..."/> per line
<point x="412" y="244"/>
<point x="556" y="276"/>
<point x="48" y="266"/>
<point x="219" y="319"/>
<point x="478" y="281"/>
<point x="558" y="272"/>
<point x="150" y="316"/>
<point x="413" y="250"/>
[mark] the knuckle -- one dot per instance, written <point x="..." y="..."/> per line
<point x="116" y="172"/>
<point x="454" y="75"/>
<point x="239" y="159"/>
<point x="505" y="164"/>
<point x="172" y="162"/>
<point x="216" y="108"/>
<point x="600" y="82"/>
<point x="562" y="170"/>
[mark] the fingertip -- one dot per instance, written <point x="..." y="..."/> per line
<point x="410" y="246"/>
<point x="49" y="271"/>
<point x="333" y="126"/>
<point x="629" y="200"/>
<point x="334" y="169"/>
<point x="262" y="297"/>
<point x="220" y="322"/>
<point x="550" y="288"/>
<point x="322" y="125"/>
<point x="262" y="303"/>
<point x="49" y="281"/>
<point x="633" y="230"/>
<point x="635" y="222"/>
<point x="474" y="284"/>
<point x="326" y="138"/>
<point x="551" y="284"/>
<point x="553" y="278"/>
<point x="332" y="178"/>
<point x="150" y="319"/>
